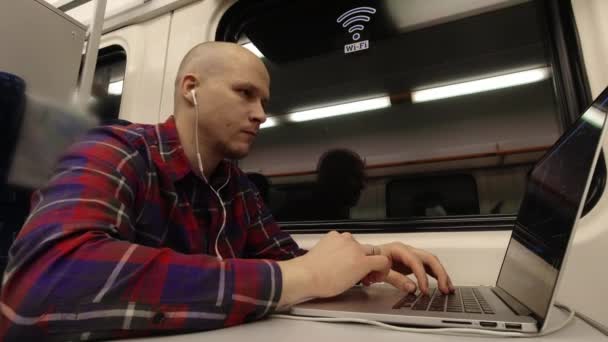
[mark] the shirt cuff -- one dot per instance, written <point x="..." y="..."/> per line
<point x="255" y="288"/>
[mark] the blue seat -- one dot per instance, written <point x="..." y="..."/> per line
<point x="14" y="202"/>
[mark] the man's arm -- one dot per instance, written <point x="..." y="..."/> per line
<point x="72" y="270"/>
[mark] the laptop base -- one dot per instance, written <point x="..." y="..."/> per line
<point x="384" y="303"/>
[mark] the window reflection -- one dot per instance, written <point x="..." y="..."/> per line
<point x="458" y="155"/>
<point x="340" y="180"/>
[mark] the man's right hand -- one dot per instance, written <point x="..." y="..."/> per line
<point x="332" y="266"/>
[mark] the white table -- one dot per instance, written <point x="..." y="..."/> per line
<point x="275" y="329"/>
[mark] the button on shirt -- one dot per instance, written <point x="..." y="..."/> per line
<point x="121" y="243"/>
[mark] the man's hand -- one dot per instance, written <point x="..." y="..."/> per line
<point x="406" y="260"/>
<point x="333" y="265"/>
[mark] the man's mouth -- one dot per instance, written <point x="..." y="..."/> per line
<point x="252" y="133"/>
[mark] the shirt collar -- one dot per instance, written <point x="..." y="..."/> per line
<point x="173" y="155"/>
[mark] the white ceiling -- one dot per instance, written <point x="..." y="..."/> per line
<point x="410" y="14"/>
<point x="414" y="14"/>
<point x="84" y="13"/>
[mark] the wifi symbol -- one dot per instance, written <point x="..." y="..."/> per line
<point x="355" y="15"/>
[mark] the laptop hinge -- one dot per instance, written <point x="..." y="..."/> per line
<point x="511" y="302"/>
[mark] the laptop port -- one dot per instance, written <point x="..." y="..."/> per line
<point x="488" y="324"/>
<point x="513" y="326"/>
<point x="456" y="322"/>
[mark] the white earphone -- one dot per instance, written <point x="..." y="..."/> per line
<point x="201" y="169"/>
<point x="193" y="93"/>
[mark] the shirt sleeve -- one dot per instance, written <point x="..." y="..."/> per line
<point x="265" y="239"/>
<point x="73" y="273"/>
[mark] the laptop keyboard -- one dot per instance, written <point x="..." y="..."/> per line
<point x="465" y="300"/>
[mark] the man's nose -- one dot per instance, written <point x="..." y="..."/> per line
<point x="259" y="114"/>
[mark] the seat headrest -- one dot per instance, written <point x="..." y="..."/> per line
<point x="12" y="106"/>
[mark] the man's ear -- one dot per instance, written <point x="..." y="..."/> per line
<point x="189" y="83"/>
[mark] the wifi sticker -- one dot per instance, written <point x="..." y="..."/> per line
<point x="354" y="20"/>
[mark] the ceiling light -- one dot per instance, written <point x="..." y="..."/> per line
<point x="341" y="109"/>
<point x="254" y="49"/>
<point x="481" y="85"/>
<point x="270" y="122"/>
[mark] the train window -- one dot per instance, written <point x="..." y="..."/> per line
<point x="431" y="100"/>
<point x="108" y="83"/>
<point x="432" y="196"/>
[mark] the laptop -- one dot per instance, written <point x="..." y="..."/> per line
<point x="525" y="291"/>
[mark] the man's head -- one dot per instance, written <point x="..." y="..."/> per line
<point x="341" y="175"/>
<point x="232" y="87"/>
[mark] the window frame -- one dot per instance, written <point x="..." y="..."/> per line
<point x="406" y="225"/>
<point x="571" y="89"/>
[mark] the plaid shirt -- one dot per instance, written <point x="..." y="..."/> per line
<point x="121" y="243"/>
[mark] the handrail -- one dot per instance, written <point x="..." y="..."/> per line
<point x="90" y="60"/>
<point x="70" y="4"/>
<point x="404" y="225"/>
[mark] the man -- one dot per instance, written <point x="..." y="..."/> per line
<point x="151" y="229"/>
<point x="340" y="180"/>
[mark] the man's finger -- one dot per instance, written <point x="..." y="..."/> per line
<point x="452" y="288"/>
<point x="374" y="277"/>
<point x="378" y="263"/>
<point x="401" y="282"/>
<point x="437" y="270"/>
<point x="411" y="260"/>
<point x="371" y="249"/>
<point x="348" y="235"/>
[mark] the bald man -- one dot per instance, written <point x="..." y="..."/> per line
<point x="149" y="229"/>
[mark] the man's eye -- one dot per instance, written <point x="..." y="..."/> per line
<point x="245" y="92"/>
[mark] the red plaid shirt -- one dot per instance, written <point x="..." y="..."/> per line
<point x="121" y="242"/>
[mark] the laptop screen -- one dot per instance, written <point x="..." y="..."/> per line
<point x="550" y="207"/>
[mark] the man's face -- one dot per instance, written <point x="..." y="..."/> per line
<point x="231" y="106"/>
